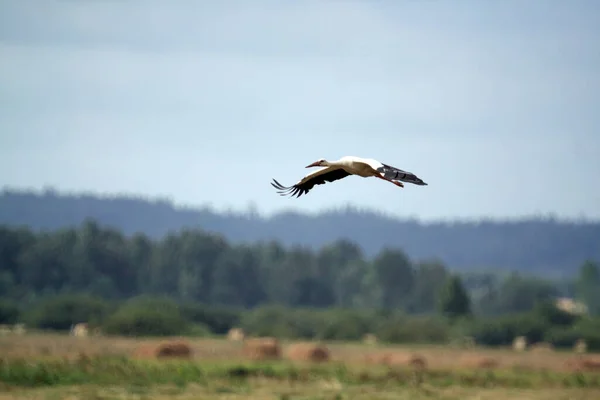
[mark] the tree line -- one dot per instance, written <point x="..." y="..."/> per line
<point x="197" y="282"/>
<point x="541" y="245"/>
<point x="197" y="266"/>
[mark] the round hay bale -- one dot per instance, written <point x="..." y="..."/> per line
<point x="370" y="339"/>
<point x="520" y="343"/>
<point x="4" y="330"/>
<point x="80" y="330"/>
<point x="264" y="348"/>
<point x="308" y="352"/>
<point x="165" y="350"/>
<point x="488" y="363"/>
<point x="175" y="349"/>
<point x="19" y="329"/>
<point x="235" y="334"/>
<point x="580" y="346"/>
<point x="417" y="361"/>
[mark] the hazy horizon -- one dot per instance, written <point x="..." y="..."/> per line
<point x="251" y="209"/>
<point x="494" y="105"/>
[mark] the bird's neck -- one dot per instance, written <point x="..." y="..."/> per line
<point x="337" y="163"/>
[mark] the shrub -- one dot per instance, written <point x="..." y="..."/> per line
<point x="218" y="320"/>
<point x="562" y="337"/>
<point x="587" y="330"/>
<point x="269" y="321"/>
<point x="9" y="312"/>
<point x="147" y="317"/>
<point x="342" y="328"/>
<point x="347" y="325"/>
<point x="161" y="303"/>
<point x="308" y="324"/>
<point x="413" y="329"/>
<point x="62" y="311"/>
<point x="501" y="331"/>
<point x="198" y="330"/>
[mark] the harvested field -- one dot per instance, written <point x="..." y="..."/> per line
<point x="216" y="349"/>
<point x="59" y="366"/>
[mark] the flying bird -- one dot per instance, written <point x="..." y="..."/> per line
<point x="346" y="166"/>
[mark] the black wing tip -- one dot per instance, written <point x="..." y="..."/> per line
<point x="291" y="191"/>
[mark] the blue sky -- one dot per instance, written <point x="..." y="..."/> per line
<point x="494" y="104"/>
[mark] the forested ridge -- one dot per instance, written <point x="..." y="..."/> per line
<point x="537" y="245"/>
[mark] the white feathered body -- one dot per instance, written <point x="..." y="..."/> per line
<point x="364" y="167"/>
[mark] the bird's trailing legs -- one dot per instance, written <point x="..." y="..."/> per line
<point x="397" y="183"/>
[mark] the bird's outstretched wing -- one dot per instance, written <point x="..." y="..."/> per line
<point x="397" y="174"/>
<point x="319" y="177"/>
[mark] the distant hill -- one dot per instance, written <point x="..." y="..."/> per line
<point x="533" y="245"/>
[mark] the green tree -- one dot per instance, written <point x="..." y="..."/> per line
<point x="147" y="316"/>
<point x="454" y="299"/>
<point x="62" y="311"/>
<point x="9" y="312"/>
<point x="350" y="287"/>
<point x="520" y="294"/>
<point x="237" y="279"/>
<point x="332" y="262"/>
<point x="430" y="278"/>
<point x="394" y="276"/>
<point x="588" y="286"/>
<point x="141" y="252"/>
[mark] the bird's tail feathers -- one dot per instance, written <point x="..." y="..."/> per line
<point x="397" y="174"/>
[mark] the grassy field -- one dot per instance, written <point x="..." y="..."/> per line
<point x="59" y="367"/>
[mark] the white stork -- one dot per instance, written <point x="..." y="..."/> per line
<point x="345" y="166"/>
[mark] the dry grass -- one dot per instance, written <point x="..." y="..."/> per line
<point x="51" y="345"/>
<point x="236" y="334"/>
<point x="437" y="357"/>
<point x="397" y="358"/>
<point x="479" y="362"/>
<point x="327" y="381"/>
<point x="445" y="358"/>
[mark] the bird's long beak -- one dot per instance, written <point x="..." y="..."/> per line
<point x="315" y="164"/>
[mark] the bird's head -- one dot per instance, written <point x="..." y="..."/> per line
<point x="321" y="162"/>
